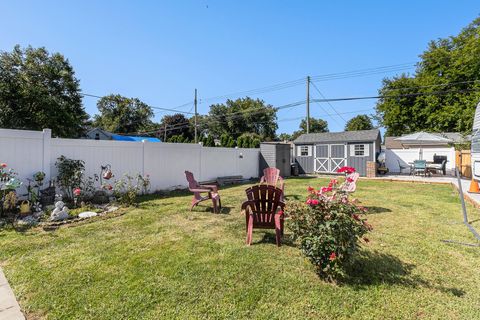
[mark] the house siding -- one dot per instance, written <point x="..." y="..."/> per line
<point x="305" y="163"/>
<point x="360" y="163"/>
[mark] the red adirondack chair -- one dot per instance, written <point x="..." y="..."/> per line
<point x="352" y="185"/>
<point x="197" y="189"/>
<point x="264" y="210"/>
<point x="272" y="177"/>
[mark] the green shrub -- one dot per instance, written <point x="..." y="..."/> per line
<point x="70" y="174"/>
<point x="126" y="190"/>
<point x="328" y="228"/>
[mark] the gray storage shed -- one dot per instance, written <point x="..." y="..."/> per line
<point x="275" y="154"/>
<point x="329" y="151"/>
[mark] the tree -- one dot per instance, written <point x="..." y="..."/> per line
<point x="176" y="125"/>
<point x="449" y="66"/>
<point x="227" y="141"/>
<point x="123" y="115"/>
<point x="285" y="137"/>
<point x="248" y="140"/>
<point x="39" y="90"/>
<point x="360" y="122"/>
<point x="245" y="115"/>
<point x="316" y="126"/>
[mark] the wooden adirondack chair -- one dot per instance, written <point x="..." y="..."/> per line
<point x="197" y="189"/>
<point x="272" y="177"/>
<point x="352" y="185"/>
<point x="264" y="210"/>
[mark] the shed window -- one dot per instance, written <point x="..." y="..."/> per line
<point x="304" y="151"/>
<point x="359" y="150"/>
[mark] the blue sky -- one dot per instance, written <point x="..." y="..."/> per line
<point x="160" y="51"/>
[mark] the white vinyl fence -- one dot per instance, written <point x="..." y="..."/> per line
<point x="30" y="151"/>
<point x="404" y="156"/>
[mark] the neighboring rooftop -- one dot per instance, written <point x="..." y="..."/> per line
<point x="456" y="137"/>
<point x="345" y="136"/>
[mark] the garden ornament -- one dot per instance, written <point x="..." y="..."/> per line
<point x="25" y="208"/>
<point x="107" y="172"/>
<point x="13" y="183"/>
<point x="60" y="212"/>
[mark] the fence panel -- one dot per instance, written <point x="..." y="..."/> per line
<point x="31" y="151"/>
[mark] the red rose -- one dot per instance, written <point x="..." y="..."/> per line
<point x="315" y="202"/>
<point x="77" y="191"/>
<point x="309" y="201"/>
<point x="3" y="165"/>
<point x="333" y="256"/>
<point x="310" y="189"/>
<point x="355" y="216"/>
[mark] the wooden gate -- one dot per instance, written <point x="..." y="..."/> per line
<point x="463" y="160"/>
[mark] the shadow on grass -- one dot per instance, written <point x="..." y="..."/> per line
<point x="269" y="238"/>
<point x="371" y="268"/>
<point x="374" y="209"/>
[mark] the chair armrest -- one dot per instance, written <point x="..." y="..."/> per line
<point x="200" y="190"/>
<point x="247" y="204"/>
<point x="210" y="186"/>
<point x="262" y="179"/>
<point x="282" y="182"/>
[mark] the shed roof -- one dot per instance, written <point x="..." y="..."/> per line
<point x="345" y="136"/>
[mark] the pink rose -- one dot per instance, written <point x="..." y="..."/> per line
<point x="3" y="165"/>
<point x="77" y="191"/>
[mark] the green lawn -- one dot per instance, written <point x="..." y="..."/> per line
<point x="162" y="261"/>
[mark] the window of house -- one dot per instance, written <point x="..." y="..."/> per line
<point x="305" y="151"/>
<point x="359" y="150"/>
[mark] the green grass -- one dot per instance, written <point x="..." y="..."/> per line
<point x="162" y="261"/>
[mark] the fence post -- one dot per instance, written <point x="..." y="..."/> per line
<point x="47" y="146"/>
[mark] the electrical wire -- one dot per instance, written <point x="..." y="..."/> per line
<point x="328" y="102"/>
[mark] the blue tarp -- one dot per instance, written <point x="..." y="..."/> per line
<point x="133" y="138"/>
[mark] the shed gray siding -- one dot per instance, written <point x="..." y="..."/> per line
<point x="275" y="155"/>
<point x="360" y="163"/>
<point x="305" y="163"/>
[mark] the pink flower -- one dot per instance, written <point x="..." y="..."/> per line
<point x="310" y="189"/>
<point x="315" y="202"/>
<point x="77" y="191"/>
<point x="309" y="201"/>
<point x="326" y="189"/>
<point x="3" y="165"/>
<point x="347" y="170"/>
<point x="349" y="179"/>
<point x="333" y="256"/>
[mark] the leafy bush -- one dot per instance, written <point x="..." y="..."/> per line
<point x="328" y="228"/>
<point x="126" y="190"/>
<point x="70" y="174"/>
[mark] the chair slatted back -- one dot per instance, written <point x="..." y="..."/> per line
<point x="271" y="175"/>
<point x="264" y="202"/>
<point x="193" y="184"/>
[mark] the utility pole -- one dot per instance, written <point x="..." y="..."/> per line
<point x="308" y="104"/>
<point x="195" y="103"/>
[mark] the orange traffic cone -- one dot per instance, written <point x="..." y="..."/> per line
<point x="474" y="186"/>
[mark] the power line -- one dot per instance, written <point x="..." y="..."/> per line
<point x="153" y="107"/>
<point x="328" y="102"/>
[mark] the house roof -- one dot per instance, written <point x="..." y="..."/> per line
<point x="345" y="136"/>
<point x="118" y="137"/>
<point x="455" y="137"/>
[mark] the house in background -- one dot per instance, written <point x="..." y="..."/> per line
<point x="401" y="151"/>
<point x="329" y="151"/>
<point x="100" y="134"/>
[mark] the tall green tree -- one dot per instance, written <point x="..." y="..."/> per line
<point x="39" y="90"/>
<point x="360" y="122"/>
<point x="176" y="125"/>
<point x="123" y="115"/>
<point x="442" y="93"/>
<point x="244" y="115"/>
<point x="316" y="126"/>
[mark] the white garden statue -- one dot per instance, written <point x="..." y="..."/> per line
<point x="60" y="212"/>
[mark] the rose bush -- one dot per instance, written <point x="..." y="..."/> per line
<point x="328" y="227"/>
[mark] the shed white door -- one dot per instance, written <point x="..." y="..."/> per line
<point x="321" y="158"/>
<point x="329" y="157"/>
